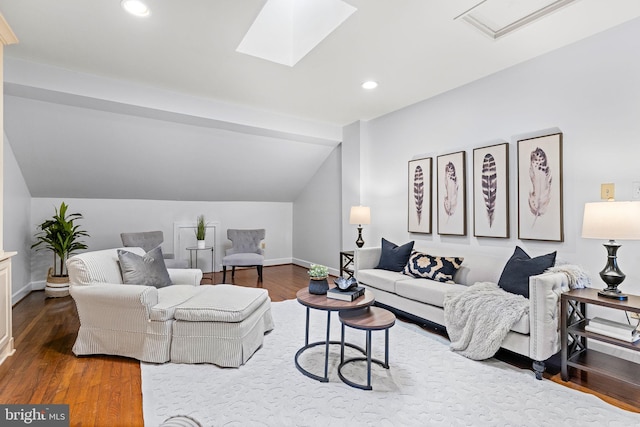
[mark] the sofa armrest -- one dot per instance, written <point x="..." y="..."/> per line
<point x="544" y="312"/>
<point x="185" y="276"/>
<point x="114" y="306"/>
<point x="366" y="258"/>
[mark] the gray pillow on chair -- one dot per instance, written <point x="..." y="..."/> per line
<point x="148" y="270"/>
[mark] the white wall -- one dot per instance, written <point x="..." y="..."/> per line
<point x="316" y="217"/>
<point x="590" y="91"/>
<point x="17" y="224"/>
<point x="105" y="219"/>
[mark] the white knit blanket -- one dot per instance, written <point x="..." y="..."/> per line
<point x="479" y="318"/>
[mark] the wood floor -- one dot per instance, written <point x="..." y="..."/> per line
<point x="106" y="390"/>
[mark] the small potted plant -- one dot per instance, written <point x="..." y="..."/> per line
<point x="318" y="284"/>
<point x="62" y="237"/>
<point x="201" y="231"/>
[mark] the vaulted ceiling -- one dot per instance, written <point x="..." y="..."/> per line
<point x="103" y="104"/>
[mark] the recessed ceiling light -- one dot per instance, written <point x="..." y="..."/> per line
<point x="135" y="7"/>
<point x="370" y="85"/>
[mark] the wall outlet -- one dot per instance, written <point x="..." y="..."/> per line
<point x="264" y="245"/>
<point x="635" y="190"/>
<point x="607" y="191"/>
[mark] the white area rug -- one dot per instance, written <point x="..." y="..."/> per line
<point x="426" y="385"/>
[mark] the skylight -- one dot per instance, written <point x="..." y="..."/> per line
<point x="287" y="30"/>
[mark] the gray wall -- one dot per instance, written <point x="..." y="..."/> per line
<point x="590" y="91"/>
<point x="105" y="219"/>
<point x="316" y="213"/>
<point x="17" y="223"/>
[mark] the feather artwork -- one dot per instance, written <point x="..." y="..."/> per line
<point x="418" y="191"/>
<point x="489" y="185"/>
<point x="540" y="175"/>
<point x="451" y="189"/>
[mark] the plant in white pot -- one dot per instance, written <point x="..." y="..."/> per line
<point x="62" y="236"/>
<point x="201" y="231"/>
<point x="318" y="284"/>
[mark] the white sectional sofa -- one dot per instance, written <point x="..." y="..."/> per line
<point x="535" y="336"/>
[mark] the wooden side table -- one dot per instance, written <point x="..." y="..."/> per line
<point x="367" y="319"/>
<point x="347" y="264"/>
<point x="575" y="352"/>
<point x="321" y="302"/>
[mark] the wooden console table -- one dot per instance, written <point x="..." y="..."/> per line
<point x="576" y="354"/>
<point x="347" y="264"/>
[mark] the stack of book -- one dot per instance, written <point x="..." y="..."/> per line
<point x="621" y="331"/>
<point x="349" y="295"/>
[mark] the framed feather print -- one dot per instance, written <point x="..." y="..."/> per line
<point x="540" y="188"/>
<point x="491" y="191"/>
<point x="452" y="196"/>
<point x="420" y="195"/>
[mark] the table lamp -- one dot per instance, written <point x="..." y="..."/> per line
<point x="360" y="215"/>
<point x="610" y="221"/>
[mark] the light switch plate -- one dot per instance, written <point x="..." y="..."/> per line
<point x="607" y="191"/>
<point x="635" y="190"/>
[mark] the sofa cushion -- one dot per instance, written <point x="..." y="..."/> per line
<point x="222" y="303"/>
<point x="380" y="279"/>
<point x="426" y="290"/>
<point x="523" y="325"/>
<point x="394" y="257"/>
<point x="441" y="269"/>
<point x="516" y="273"/>
<point x="171" y="297"/>
<point x="148" y="270"/>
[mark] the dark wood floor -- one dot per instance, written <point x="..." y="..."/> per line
<point x="106" y="390"/>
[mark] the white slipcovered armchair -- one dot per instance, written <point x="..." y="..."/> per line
<point x="122" y="319"/>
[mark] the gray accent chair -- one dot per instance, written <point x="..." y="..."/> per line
<point x="148" y="240"/>
<point x="244" y="252"/>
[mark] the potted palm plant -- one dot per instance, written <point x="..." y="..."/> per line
<point x="62" y="236"/>
<point x="201" y="231"/>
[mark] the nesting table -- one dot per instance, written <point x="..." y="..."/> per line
<point x="358" y="314"/>
<point x="367" y="319"/>
<point x="321" y="302"/>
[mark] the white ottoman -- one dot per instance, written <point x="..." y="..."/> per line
<point x="223" y="325"/>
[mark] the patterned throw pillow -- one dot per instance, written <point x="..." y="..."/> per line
<point x="441" y="269"/>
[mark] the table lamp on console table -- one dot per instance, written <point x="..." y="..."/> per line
<point x="612" y="221"/>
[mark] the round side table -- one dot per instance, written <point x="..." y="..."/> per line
<point x="321" y="302"/>
<point x="367" y="319"/>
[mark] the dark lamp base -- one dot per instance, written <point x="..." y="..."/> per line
<point x="611" y="274"/>
<point x="360" y="241"/>
<point x="613" y="294"/>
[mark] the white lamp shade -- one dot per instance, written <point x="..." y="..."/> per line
<point x="611" y="221"/>
<point x="360" y="215"/>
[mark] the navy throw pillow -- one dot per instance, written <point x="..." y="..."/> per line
<point x="394" y="257"/>
<point x="516" y="273"/>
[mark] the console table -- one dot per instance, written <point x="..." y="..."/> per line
<point x="575" y="352"/>
<point x="346" y="264"/>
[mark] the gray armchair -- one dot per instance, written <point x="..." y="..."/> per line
<point x="244" y="252"/>
<point x="148" y="240"/>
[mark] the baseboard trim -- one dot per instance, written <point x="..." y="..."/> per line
<point x="26" y="290"/>
<point x="307" y="264"/>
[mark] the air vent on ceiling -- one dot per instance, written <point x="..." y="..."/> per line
<point x="497" y="18"/>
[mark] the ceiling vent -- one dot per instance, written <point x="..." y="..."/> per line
<point x="497" y="18"/>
